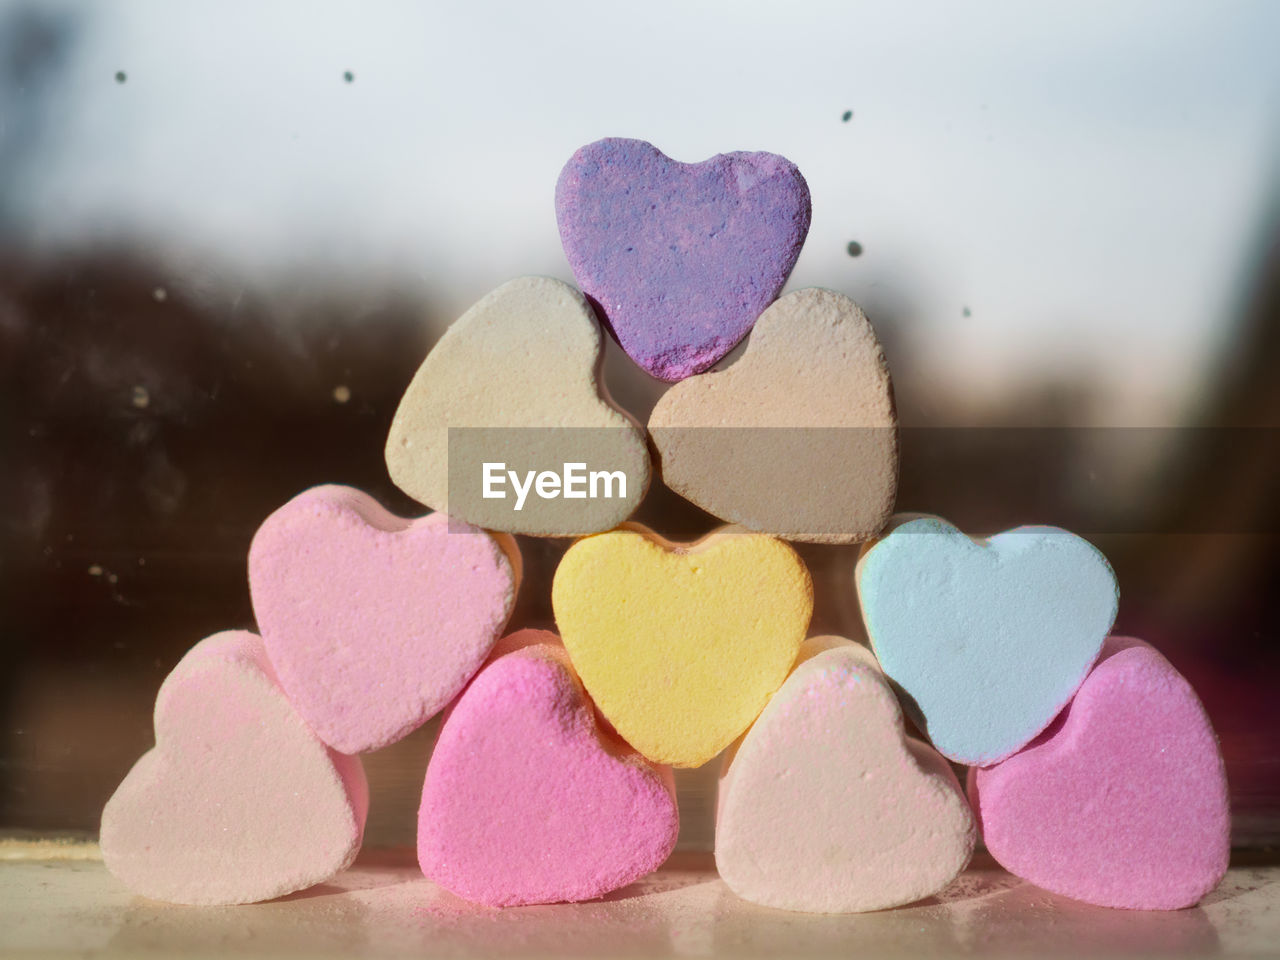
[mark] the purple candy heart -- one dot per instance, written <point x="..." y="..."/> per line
<point x="680" y="258"/>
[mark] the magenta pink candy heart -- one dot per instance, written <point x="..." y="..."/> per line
<point x="526" y="801"/>
<point x="1122" y="802"/>
<point x="680" y="258"/>
<point x="373" y="622"/>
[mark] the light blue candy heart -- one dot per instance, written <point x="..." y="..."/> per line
<point x="989" y="640"/>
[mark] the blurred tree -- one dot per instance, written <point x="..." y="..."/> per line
<point x="36" y="43"/>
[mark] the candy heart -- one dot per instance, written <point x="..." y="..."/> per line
<point x="681" y="645"/>
<point x="526" y="801"/>
<point x="1123" y="801"/>
<point x="238" y="801"/>
<point x="798" y="438"/>
<point x="680" y="257"/>
<point x="374" y="622"/>
<point x="515" y="383"/>
<point x="990" y="638"/>
<point x="827" y="806"/>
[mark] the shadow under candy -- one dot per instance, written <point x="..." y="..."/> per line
<point x="1028" y="920"/>
<point x="383" y="906"/>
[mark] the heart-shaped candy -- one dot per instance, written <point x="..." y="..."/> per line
<point x="238" y="801"/>
<point x="681" y="645"/>
<point x="1123" y="801"/>
<point x="827" y="806"/>
<point x="988" y="639"/>
<point x="514" y="384"/>
<point x="799" y="437"/>
<point x="526" y="801"/>
<point x="374" y="622"/>
<point x="680" y="257"/>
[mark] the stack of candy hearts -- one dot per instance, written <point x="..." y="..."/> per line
<point x="1093" y="771"/>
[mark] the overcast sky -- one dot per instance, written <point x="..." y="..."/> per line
<point x="1089" y="179"/>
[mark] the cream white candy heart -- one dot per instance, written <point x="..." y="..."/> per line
<point x="827" y="806"/>
<point x="799" y="437"/>
<point x="507" y="423"/>
<point x="239" y="801"/>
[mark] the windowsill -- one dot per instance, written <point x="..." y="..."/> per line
<point x="59" y="899"/>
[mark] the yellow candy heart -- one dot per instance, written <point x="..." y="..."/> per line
<point x="681" y="645"/>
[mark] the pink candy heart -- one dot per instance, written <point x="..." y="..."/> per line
<point x="525" y="801"/>
<point x="373" y="622"/>
<point x="1122" y="802"/>
<point x="238" y="801"/>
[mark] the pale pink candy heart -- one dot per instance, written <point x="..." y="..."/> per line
<point x="527" y="801"/>
<point x="1122" y="802"/>
<point x="374" y="622"/>
<point x="827" y="806"/>
<point x="238" y="801"/>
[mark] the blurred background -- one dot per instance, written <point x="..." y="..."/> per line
<point x="230" y="231"/>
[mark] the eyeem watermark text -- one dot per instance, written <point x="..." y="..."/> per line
<point x="574" y="482"/>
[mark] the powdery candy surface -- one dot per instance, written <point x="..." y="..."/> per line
<point x="1123" y="802"/>
<point x="681" y="645"/>
<point x="680" y="257"/>
<point x="526" y="801"/>
<point x="238" y="801"/>
<point x="798" y="438"/>
<point x="988" y="639"/>
<point x="374" y="622"/>
<point x="515" y="380"/>
<point x="827" y="806"/>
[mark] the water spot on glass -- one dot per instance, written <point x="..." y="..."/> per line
<point x="95" y="570"/>
<point x="160" y="294"/>
<point x="112" y="578"/>
<point x="854" y="249"/>
<point x="846" y="116"/>
<point x="342" y="393"/>
<point x="121" y="76"/>
<point x="348" y="76"/>
<point x="141" y="397"/>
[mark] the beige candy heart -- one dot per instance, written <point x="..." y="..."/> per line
<point x="515" y="381"/>
<point x="827" y="806"/>
<point x="799" y="437"/>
